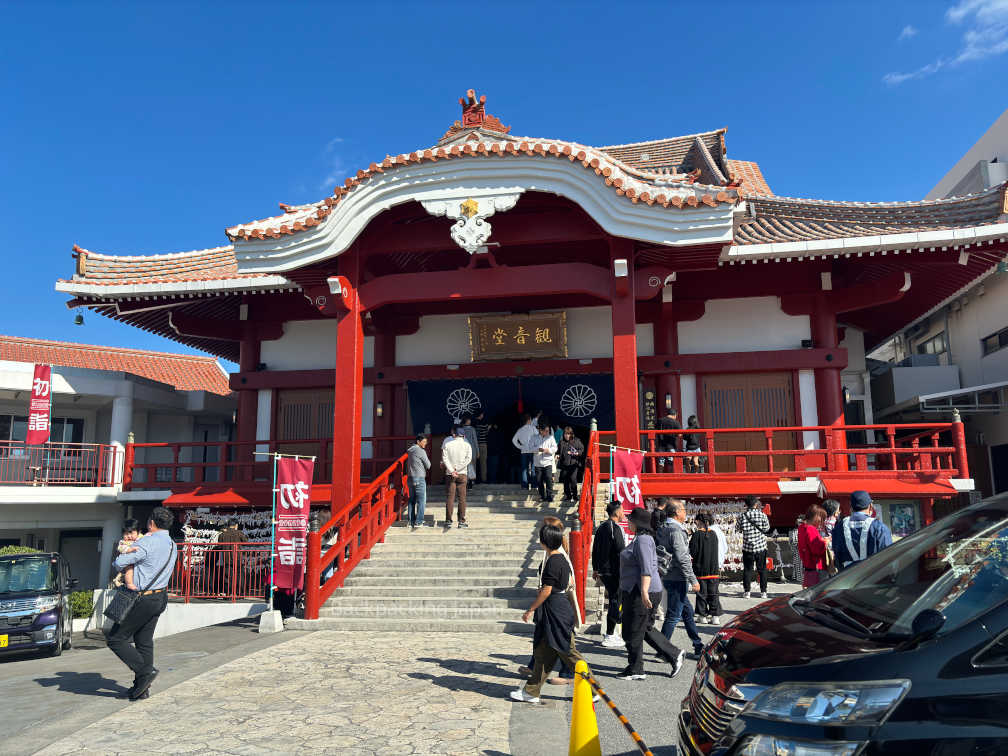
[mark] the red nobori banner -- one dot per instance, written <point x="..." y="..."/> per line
<point x="625" y="486"/>
<point x="40" y="406"/>
<point x="293" y="500"/>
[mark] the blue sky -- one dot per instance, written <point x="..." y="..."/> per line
<point x="138" y="128"/>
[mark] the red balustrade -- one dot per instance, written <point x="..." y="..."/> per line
<point x="160" y="465"/>
<point x="60" y="464"/>
<point x="351" y="533"/>
<point x="780" y="451"/>
<point x="221" y="571"/>
<point x="583" y="529"/>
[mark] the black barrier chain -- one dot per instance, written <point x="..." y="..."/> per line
<point x="619" y="715"/>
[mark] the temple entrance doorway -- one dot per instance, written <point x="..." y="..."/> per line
<point x="749" y="400"/>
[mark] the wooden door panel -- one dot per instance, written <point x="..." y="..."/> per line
<point x="749" y="400"/>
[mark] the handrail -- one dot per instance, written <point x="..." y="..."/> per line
<point x="359" y="525"/>
<point x="221" y="571"/>
<point x="584" y="528"/>
<point x="235" y="461"/>
<point x="893" y="453"/>
<point x="60" y="464"/>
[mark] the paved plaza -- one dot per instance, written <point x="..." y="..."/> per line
<point x="228" y="690"/>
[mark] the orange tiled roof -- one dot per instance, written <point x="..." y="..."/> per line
<point x="636" y="184"/>
<point x="184" y="372"/>
<point x="750" y="175"/>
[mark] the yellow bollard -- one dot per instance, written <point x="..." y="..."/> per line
<point x="584" y="735"/>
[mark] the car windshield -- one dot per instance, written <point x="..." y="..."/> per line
<point x="27" y="574"/>
<point x="958" y="566"/>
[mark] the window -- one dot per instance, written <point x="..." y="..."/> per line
<point x="934" y="345"/>
<point x="995" y="341"/>
<point x="63" y="430"/>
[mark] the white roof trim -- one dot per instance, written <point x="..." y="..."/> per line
<point x="819" y="247"/>
<point x="964" y="390"/>
<point x="211" y="286"/>
<point x="431" y="181"/>
<point x="962" y="484"/>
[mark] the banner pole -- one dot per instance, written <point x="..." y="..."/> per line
<point x="273" y="532"/>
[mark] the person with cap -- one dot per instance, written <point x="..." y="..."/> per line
<point x="861" y="535"/>
<point x="640" y="586"/>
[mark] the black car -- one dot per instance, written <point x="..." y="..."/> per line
<point x="905" y="653"/>
<point x="35" y="603"/>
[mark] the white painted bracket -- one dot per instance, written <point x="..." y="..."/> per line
<point x="471" y="230"/>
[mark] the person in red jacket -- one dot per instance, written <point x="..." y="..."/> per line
<point x="811" y="546"/>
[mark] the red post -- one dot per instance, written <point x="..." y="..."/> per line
<point x="347" y="398"/>
<point x="959" y="442"/>
<point x="927" y="511"/>
<point x="129" y="459"/>
<point x="234" y="572"/>
<point x="829" y="389"/>
<point x="248" y="401"/>
<point x="624" y="330"/>
<point x="313" y="571"/>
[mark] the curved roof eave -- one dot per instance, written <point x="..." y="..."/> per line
<point x="673" y="215"/>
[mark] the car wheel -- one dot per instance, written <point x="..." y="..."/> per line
<point x="57" y="648"/>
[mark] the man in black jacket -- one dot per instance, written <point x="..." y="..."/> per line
<point x="606" y="547"/>
<point x="668" y="442"/>
<point x="570" y="456"/>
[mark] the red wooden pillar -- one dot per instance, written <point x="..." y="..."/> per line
<point x="384" y="398"/>
<point x="347" y="397"/>
<point x="624" y="328"/>
<point x="829" y="390"/>
<point x="666" y="338"/>
<point x="248" y="403"/>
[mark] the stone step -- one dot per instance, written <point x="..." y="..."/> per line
<point x="450" y="579"/>
<point x="460" y="590"/>
<point x="430" y="547"/>
<point x="462" y="535"/>
<point x="412" y="625"/>
<point x="405" y="610"/>
<point x="434" y="570"/>
<point x="347" y="606"/>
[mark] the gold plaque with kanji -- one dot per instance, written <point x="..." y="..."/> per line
<point x="539" y="335"/>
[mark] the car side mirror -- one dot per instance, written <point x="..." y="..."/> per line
<point x="927" y="624"/>
<point x="73" y="582"/>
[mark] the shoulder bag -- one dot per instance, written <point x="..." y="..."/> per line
<point x="124" y="599"/>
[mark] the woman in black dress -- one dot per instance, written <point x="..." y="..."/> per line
<point x="553" y="614"/>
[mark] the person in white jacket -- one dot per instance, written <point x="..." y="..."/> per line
<point x="456" y="455"/>
<point x="521" y="440"/>
<point x="545" y="449"/>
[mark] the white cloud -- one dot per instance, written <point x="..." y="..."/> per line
<point x="335" y="165"/>
<point x="985" y="36"/>
<point x="907" y="32"/>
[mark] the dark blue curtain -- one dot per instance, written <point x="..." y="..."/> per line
<point x="565" y="399"/>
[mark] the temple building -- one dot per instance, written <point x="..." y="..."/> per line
<point x="602" y="285"/>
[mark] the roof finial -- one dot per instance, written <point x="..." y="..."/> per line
<point x="473" y="113"/>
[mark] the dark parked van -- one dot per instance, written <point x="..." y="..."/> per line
<point x="35" y="603"/>
<point x="905" y="653"/>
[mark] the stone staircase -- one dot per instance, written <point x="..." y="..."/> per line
<point x="475" y="579"/>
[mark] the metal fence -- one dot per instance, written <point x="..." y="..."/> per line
<point x="221" y="571"/>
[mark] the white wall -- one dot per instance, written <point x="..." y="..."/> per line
<point x="994" y="143"/>
<point x="809" y="408"/>
<point x="308" y="345"/>
<point x="979" y="316"/>
<point x="687" y="397"/>
<point x="264" y="417"/>
<point x="750" y="324"/>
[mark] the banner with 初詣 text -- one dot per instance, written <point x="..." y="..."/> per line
<point x="625" y="485"/>
<point x="40" y="406"/>
<point x="293" y="501"/>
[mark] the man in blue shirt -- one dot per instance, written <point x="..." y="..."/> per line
<point x="153" y="559"/>
<point x="861" y="535"/>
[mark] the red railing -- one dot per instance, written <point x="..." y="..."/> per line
<point x="351" y="533"/>
<point x="221" y="571"/>
<point x="159" y="465"/>
<point x="582" y="530"/>
<point x="779" y="450"/>
<point x="60" y="464"/>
